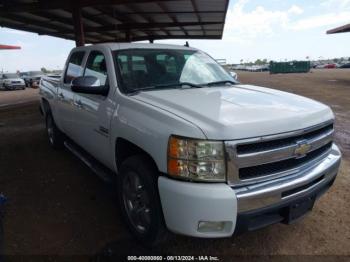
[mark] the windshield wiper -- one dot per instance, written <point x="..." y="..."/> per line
<point x="220" y="82"/>
<point x="175" y="85"/>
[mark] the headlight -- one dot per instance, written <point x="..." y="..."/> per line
<point x="197" y="160"/>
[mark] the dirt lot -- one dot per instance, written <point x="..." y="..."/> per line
<point x="56" y="206"/>
<point x="18" y="98"/>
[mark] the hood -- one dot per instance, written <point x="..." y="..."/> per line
<point x="240" y="111"/>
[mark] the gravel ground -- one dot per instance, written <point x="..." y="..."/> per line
<point x="56" y="206"/>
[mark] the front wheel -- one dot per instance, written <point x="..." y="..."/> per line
<point x="139" y="200"/>
<point x="56" y="137"/>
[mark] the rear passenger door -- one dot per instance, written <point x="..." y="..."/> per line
<point x="93" y="112"/>
<point x="65" y="95"/>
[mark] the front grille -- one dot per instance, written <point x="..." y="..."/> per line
<point x="263" y="158"/>
<point x="281" y="166"/>
<point x="283" y="142"/>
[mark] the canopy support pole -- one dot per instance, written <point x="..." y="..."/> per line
<point x="79" y="33"/>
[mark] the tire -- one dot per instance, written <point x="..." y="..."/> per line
<point x="142" y="204"/>
<point x="55" y="136"/>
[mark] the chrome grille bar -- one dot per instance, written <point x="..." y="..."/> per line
<point x="317" y="137"/>
<point x="282" y="153"/>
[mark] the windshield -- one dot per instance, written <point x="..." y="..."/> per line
<point x="142" y="69"/>
<point x="11" y="76"/>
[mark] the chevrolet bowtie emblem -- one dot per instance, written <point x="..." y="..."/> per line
<point x="302" y="148"/>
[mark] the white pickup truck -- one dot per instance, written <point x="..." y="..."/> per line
<point x="191" y="149"/>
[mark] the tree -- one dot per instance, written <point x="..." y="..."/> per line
<point x="44" y="70"/>
<point x="258" y="62"/>
<point x="261" y="62"/>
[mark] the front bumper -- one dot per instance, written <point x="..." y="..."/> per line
<point x="14" y="86"/>
<point x="185" y="205"/>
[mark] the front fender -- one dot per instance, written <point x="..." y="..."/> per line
<point x="149" y="128"/>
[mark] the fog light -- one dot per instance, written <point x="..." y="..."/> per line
<point x="210" y="226"/>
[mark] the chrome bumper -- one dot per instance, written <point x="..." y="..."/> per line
<point x="14" y="85"/>
<point x="283" y="189"/>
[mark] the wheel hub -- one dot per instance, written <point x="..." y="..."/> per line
<point x="50" y="131"/>
<point x="136" y="202"/>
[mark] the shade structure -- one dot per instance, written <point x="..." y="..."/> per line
<point x="7" y="47"/>
<point x="341" y="29"/>
<point x="96" y="21"/>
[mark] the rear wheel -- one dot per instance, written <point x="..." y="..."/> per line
<point x="139" y="200"/>
<point x="56" y="137"/>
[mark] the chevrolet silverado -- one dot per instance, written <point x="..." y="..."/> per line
<point x="191" y="149"/>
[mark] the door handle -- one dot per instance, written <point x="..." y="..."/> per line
<point x="60" y="96"/>
<point x="78" y="103"/>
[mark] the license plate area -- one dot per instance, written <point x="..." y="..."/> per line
<point x="297" y="210"/>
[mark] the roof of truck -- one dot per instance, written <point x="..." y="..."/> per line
<point x="118" y="46"/>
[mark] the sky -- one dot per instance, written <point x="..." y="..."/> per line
<point x="254" y="29"/>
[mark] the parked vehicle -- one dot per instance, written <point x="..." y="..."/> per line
<point x="265" y="67"/>
<point x="238" y="67"/>
<point x="11" y="81"/>
<point x="32" y="78"/>
<point x="320" y="66"/>
<point x="54" y="76"/>
<point x="330" y="66"/>
<point x="257" y="68"/>
<point x="192" y="150"/>
<point x="345" y="65"/>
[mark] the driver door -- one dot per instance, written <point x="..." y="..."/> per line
<point x="93" y="112"/>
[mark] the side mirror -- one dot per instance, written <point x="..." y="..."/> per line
<point x="89" y="85"/>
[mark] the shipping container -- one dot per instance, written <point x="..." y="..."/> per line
<point x="290" y="67"/>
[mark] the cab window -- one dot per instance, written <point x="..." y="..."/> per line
<point x="96" y="66"/>
<point x="74" y="68"/>
<point x="140" y="68"/>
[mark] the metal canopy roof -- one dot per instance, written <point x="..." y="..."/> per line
<point x="7" y="47"/>
<point x="95" y="21"/>
<point x="341" y="29"/>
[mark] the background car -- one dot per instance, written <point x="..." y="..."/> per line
<point x="345" y="66"/>
<point x="11" y="81"/>
<point x="57" y="76"/>
<point x="330" y="66"/>
<point x="32" y="78"/>
<point x="320" y="66"/>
